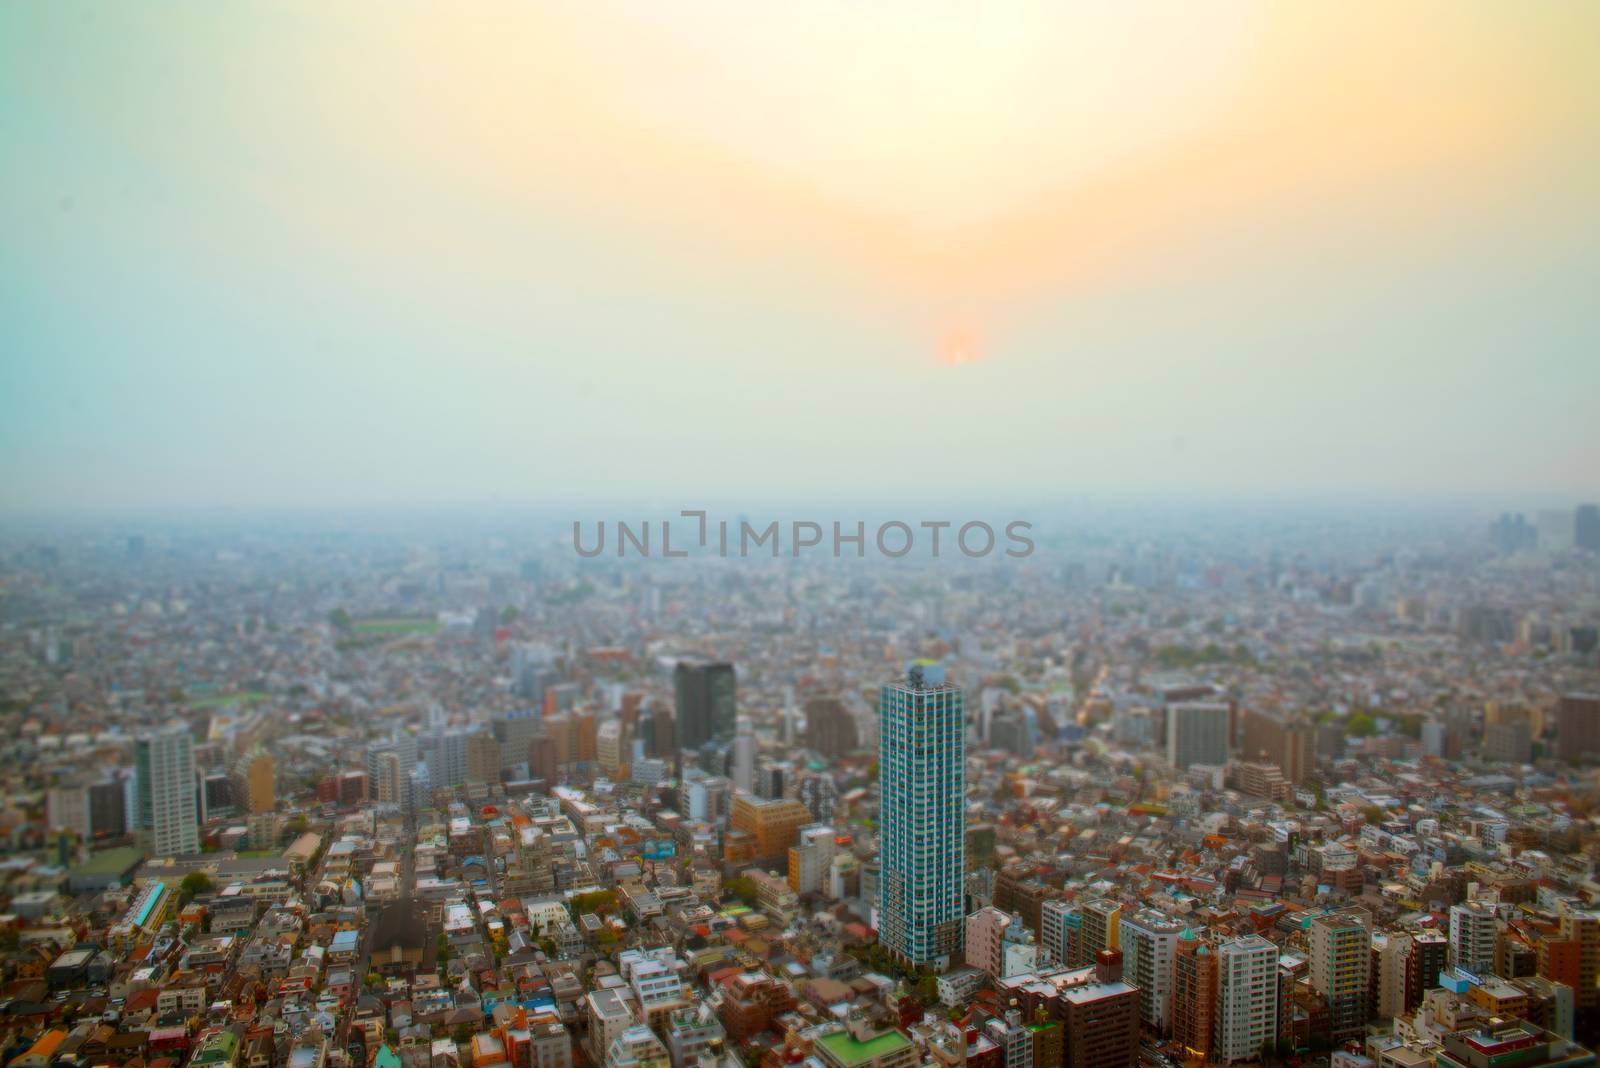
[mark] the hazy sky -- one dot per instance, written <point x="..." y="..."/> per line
<point x="326" y="254"/>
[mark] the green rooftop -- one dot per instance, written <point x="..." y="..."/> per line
<point x="847" y="1051"/>
<point x="110" y="862"/>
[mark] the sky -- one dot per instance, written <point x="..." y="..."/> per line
<point x="309" y="255"/>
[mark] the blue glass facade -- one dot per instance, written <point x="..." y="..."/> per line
<point x="922" y="818"/>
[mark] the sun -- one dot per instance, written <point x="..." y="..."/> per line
<point x="959" y="346"/>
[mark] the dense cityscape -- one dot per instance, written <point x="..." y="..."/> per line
<point x="1267" y="790"/>
<point x="740" y="534"/>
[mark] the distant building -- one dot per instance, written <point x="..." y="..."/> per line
<point x="1508" y="743"/>
<point x="830" y="727"/>
<point x="773" y="825"/>
<point x="810" y="859"/>
<point x="255" y="788"/>
<point x="1197" y="733"/>
<point x="1289" y="743"/>
<point x="1587" y="527"/>
<point x="108" y="808"/>
<point x="706" y="702"/>
<point x="1578" y="728"/>
<point x="481" y="757"/>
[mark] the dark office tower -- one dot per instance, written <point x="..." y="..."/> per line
<point x="656" y="731"/>
<point x="1578" y="727"/>
<point x="108" y="809"/>
<point x="543" y="759"/>
<point x="1289" y="742"/>
<point x="1428" y="956"/>
<point x="706" y="705"/>
<point x="1587" y="530"/>
<point x="830" y="728"/>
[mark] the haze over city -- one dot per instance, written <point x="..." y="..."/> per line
<point x="292" y="256"/>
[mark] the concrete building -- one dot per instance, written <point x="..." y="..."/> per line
<point x="608" y="1014"/>
<point x="1149" y="942"/>
<point x="1194" y="993"/>
<point x="255" y="784"/>
<point x="481" y="757"/>
<point x="1101" y="1018"/>
<point x="165" y="790"/>
<point x="772" y="824"/>
<point x="1247" y="998"/>
<point x="1197" y="733"/>
<point x="1341" y="969"/>
<point x="810" y="859"/>
<point x="1578" y="728"/>
<point x="1101" y="923"/>
<point x="830" y="727"/>
<point x="998" y="944"/>
<point x="1472" y="930"/>
<point x="1061" y="935"/>
<point x="1289" y="743"/>
<point x="706" y="702"/>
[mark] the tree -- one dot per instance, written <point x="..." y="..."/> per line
<point x="602" y="901"/>
<point x="1361" y="725"/>
<point x="340" y="620"/>
<point x="194" y="884"/>
<point x="1269" y="1051"/>
<point x="741" y="887"/>
<point x="1372" y="814"/>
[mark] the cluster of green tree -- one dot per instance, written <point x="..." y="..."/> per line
<point x="194" y="884"/>
<point x="741" y="887"/>
<point x="603" y="902"/>
<point x="1183" y="656"/>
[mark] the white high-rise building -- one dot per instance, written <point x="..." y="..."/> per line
<point x="1472" y="931"/>
<point x="1197" y="733"/>
<point x="165" y="790"/>
<point x="1060" y="933"/>
<point x="1247" y="998"/>
<point x="1149" y="947"/>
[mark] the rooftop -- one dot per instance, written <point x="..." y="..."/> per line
<point x="848" y="1051"/>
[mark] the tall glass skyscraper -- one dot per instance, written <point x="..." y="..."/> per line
<point x="922" y="841"/>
